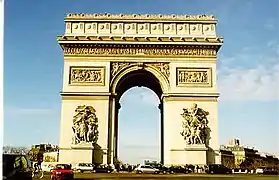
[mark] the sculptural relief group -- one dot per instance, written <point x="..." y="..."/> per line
<point x="85" y="125"/>
<point x="195" y="126"/>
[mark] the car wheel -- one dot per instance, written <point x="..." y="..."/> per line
<point x="211" y="172"/>
<point x="164" y="172"/>
<point x="171" y="172"/>
<point x="139" y="172"/>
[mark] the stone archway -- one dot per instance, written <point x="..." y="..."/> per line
<point x="131" y="75"/>
<point x="106" y="54"/>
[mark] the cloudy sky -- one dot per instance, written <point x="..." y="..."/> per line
<point x="248" y="68"/>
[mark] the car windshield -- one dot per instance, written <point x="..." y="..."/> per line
<point x="63" y="166"/>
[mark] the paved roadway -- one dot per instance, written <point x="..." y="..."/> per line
<point x="128" y="176"/>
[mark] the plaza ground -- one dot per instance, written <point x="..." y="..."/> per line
<point x="128" y="176"/>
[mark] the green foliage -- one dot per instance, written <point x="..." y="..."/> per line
<point x="33" y="153"/>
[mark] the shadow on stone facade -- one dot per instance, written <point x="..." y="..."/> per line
<point x="97" y="154"/>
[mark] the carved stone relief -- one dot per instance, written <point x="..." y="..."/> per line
<point x="85" y="125"/>
<point x="87" y="75"/>
<point x="138" y="51"/>
<point x="195" y="125"/>
<point x="164" y="68"/>
<point x="146" y="26"/>
<point x="194" y="77"/>
<point x="116" y="67"/>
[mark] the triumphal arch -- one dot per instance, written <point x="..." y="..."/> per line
<point x="173" y="55"/>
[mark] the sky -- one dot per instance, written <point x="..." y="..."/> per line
<point x="248" y="73"/>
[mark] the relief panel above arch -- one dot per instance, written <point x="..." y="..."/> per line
<point x="87" y="75"/>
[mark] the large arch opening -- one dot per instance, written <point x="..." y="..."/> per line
<point x="147" y="82"/>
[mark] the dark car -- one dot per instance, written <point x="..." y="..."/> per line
<point x="102" y="169"/>
<point x="62" y="171"/>
<point x="16" y="167"/>
<point x="180" y="169"/>
<point x="270" y="171"/>
<point x="218" y="169"/>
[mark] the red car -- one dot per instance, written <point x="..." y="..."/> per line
<point x="62" y="171"/>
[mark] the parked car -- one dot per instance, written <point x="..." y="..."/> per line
<point x="62" y="171"/>
<point x="218" y="169"/>
<point x="102" y="169"/>
<point x="83" y="167"/>
<point x="146" y="169"/>
<point x="16" y="167"/>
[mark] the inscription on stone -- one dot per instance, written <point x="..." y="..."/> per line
<point x="194" y="76"/>
<point x="87" y="75"/>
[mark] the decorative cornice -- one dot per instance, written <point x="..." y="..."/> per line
<point x="139" y="50"/>
<point x="146" y="17"/>
<point x="141" y="39"/>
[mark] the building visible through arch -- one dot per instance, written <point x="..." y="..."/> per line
<point x="106" y="54"/>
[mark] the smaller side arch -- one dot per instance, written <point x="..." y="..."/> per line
<point x="162" y="79"/>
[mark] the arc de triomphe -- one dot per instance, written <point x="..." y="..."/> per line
<point x="106" y="54"/>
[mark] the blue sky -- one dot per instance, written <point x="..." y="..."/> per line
<point x="248" y="67"/>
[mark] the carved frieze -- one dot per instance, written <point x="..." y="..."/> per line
<point x="195" y="128"/>
<point x="85" y="125"/>
<point x="139" y="51"/>
<point x="87" y="75"/>
<point x="194" y="77"/>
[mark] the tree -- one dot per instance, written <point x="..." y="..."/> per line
<point x="33" y="153"/>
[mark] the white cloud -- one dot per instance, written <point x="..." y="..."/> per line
<point x="260" y="83"/>
<point x="250" y="75"/>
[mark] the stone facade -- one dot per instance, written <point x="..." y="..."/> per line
<point x="105" y="54"/>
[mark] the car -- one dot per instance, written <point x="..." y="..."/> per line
<point x="62" y="171"/>
<point x="266" y="170"/>
<point x="217" y="169"/>
<point x="146" y="169"/>
<point x="82" y="167"/>
<point x="180" y="169"/>
<point x="16" y="166"/>
<point x="102" y="169"/>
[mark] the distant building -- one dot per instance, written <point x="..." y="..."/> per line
<point x="50" y="152"/>
<point x="45" y="147"/>
<point x="245" y="157"/>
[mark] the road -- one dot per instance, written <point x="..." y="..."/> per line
<point x="128" y="176"/>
